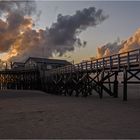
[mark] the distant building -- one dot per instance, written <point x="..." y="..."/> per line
<point x="39" y="63"/>
<point x="44" y="63"/>
<point x="18" y="66"/>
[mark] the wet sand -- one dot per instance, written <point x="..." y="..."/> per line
<point x="34" y="114"/>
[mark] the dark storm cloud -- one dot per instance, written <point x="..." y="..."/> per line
<point x="20" y="40"/>
<point x="67" y="28"/>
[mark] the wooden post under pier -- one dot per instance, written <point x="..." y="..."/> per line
<point x="116" y="85"/>
<point x="125" y="84"/>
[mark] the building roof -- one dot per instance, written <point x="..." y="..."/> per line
<point x="46" y="60"/>
<point x="18" y="63"/>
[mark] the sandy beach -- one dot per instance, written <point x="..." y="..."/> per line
<point x="36" y="115"/>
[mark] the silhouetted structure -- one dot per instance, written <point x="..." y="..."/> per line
<point x="17" y="66"/>
<point x="99" y="75"/>
<point x="30" y="74"/>
<point x="45" y="63"/>
<point x="53" y="77"/>
<point x="20" y="79"/>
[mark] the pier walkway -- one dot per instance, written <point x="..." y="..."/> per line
<point x="100" y="75"/>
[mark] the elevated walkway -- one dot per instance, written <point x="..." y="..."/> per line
<point x="100" y="75"/>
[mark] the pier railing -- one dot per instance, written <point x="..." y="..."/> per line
<point x="116" y="62"/>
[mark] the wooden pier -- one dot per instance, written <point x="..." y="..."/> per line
<point x="20" y="79"/>
<point x="100" y="75"/>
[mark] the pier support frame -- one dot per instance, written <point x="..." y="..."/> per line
<point x="125" y="84"/>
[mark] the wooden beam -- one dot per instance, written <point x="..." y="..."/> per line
<point x="125" y="84"/>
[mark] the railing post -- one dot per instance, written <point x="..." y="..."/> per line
<point x="118" y="62"/>
<point x="78" y="68"/>
<point x="71" y="68"/>
<point x="93" y="65"/>
<point x="86" y="65"/>
<point x="110" y="63"/>
<point x="128" y="59"/>
<point x="90" y="65"/>
<point x="97" y="64"/>
<point x="139" y="58"/>
<point x="81" y="66"/>
<point x="103" y="63"/>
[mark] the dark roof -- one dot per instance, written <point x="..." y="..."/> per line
<point x="18" y="63"/>
<point x="46" y="60"/>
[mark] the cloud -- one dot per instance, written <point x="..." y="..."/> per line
<point x="19" y="40"/>
<point x="133" y="42"/>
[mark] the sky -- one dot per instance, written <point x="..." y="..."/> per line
<point x="33" y="28"/>
<point x="123" y="21"/>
